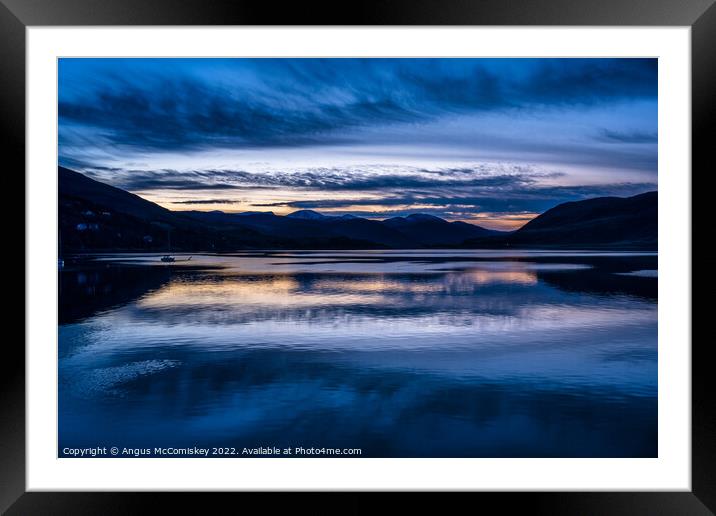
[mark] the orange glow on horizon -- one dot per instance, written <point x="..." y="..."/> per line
<point x="377" y="211"/>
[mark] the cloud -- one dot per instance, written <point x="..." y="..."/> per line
<point x="361" y="179"/>
<point x="298" y="102"/>
<point x="143" y="180"/>
<point x="208" y="201"/>
<point x="628" y="137"/>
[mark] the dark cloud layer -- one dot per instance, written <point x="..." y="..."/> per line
<point x="332" y="179"/>
<point x="310" y="101"/>
<point x="628" y="137"/>
<point x="208" y="201"/>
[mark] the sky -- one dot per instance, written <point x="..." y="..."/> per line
<point x="493" y="142"/>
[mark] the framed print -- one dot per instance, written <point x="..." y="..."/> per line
<point x="427" y="248"/>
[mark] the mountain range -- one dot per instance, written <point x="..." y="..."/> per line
<point x="95" y="216"/>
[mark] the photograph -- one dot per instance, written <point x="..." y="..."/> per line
<point x="375" y="257"/>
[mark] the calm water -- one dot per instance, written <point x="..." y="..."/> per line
<point x="400" y="353"/>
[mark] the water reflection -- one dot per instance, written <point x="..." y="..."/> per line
<point x="430" y="354"/>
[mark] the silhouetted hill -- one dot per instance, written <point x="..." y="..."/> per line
<point x="374" y="230"/>
<point x="371" y="233"/>
<point x="94" y="216"/>
<point x="306" y="215"/>
<point x="429" y="230"/>
<point x="616" y="222"/>
<point x="73" y="185"/>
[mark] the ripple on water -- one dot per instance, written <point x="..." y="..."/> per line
<point x="106" y="381"/>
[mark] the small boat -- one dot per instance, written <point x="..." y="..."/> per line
<point x="168" y="258"/>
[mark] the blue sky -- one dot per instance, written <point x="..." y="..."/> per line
<point x="488" y="141"/>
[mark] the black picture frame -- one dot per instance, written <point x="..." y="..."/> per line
<point x="17" y="15"/>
